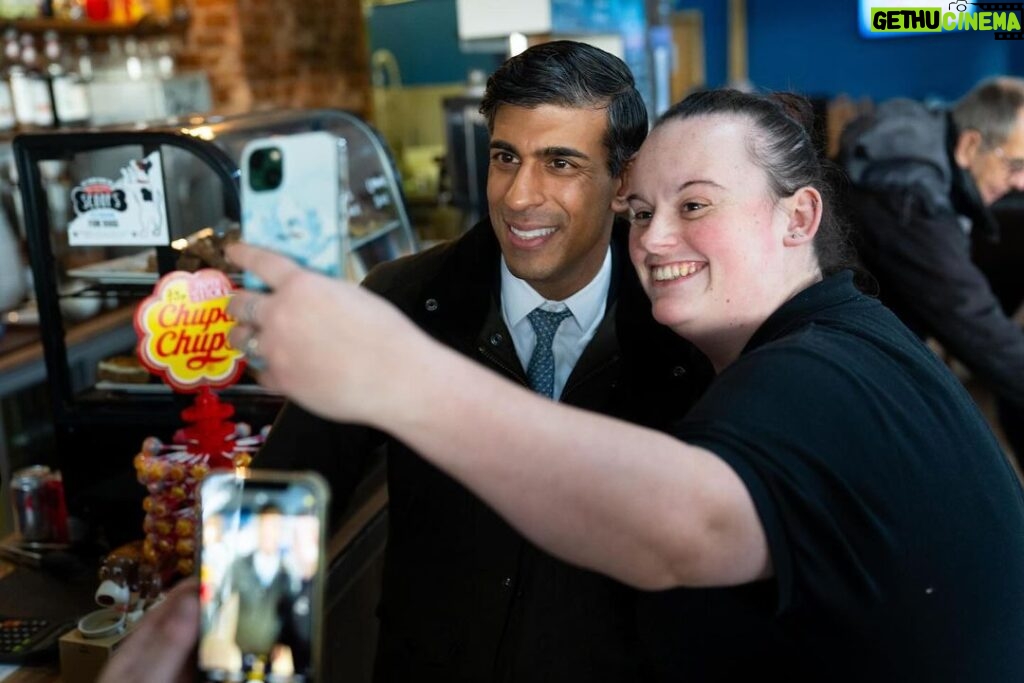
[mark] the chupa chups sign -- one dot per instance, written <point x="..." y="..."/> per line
<point x="183" y="331"/>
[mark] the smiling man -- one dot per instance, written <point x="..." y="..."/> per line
<point x="922" y="181"/>
<point x="541" y="292"/>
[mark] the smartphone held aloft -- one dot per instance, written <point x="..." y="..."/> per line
<point x="294" y="199"/>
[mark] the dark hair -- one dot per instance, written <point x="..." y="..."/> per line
<point x="571" y="74"/>
<point x="781" y="146"/>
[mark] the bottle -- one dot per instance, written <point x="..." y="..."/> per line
<point x="21" y="86"/>
<point x="165" y="66"/>
<point x="12" y="272"/>
<point x="84" y="58"/>
<point x="107" y="64"/>
<point x="128" y="11"/>
<point x="39" y="83"/>
<point x="132" y="61"/>
<point x="161" y="10"/>
<point x="68" y="10"/>
<point x="69" y="89"/>
<point x="98" y="10"/>
<point x="19" y="9"/>
<point x="7" y="118"/>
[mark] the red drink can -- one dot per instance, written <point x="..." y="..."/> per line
<point x="98" y="10"/>
<point x="40" y="514"/>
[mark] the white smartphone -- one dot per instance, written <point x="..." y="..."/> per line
<point x="294" y="199"/>
<point x="262" y="572"/>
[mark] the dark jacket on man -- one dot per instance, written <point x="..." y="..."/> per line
<point x="913" y="211"/>
<point x="465" y="596"/>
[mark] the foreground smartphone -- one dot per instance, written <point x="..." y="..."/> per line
<point x="293" y="199"/>
<point x="262" y="574"/>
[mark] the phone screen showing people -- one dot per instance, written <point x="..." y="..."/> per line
<point x="261" y="575"/>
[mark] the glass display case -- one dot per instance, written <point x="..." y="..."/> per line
<point x="107" y="212"/>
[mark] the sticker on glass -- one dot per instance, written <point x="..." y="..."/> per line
<point x="123" y="212"/>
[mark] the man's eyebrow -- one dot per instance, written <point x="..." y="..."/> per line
<point x="502" y="145"/>
<point x="546" y="152"/>
<point x="570" y="152"/>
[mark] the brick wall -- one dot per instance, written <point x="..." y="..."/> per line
<point x="280" y="53"/>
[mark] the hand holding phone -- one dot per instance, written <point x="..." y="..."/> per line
<point x="261" y="572"/>
<point x="159" y="647"/>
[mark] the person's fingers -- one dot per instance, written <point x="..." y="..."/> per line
<point x="159" y="647"/>
<point x="244" y="307"/>
<point x="270" y="267"/>
<point x="239" y="335"/>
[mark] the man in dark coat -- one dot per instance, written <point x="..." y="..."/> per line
<point x="465" y="597"/>
<point x="263" y="586"/>
<point x="923" y="179"/>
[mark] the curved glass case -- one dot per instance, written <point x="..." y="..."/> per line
<point x="107" y="211"/>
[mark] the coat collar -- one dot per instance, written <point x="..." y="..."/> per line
<point x="460" y="307"/>
<point x="964" y="193"/>
<point x="469" y="285"/>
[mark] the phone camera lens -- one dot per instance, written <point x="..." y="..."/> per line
<point x="266" y="169"/>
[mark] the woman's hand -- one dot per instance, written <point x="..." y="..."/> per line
<point x="159" y="648"/>
<point x="331" y="346"/>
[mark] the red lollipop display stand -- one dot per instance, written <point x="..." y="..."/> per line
<point x="182" y="332"/>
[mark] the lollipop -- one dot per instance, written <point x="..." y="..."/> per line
<point x="172" y="472"/>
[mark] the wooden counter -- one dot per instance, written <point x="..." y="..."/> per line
<point x="34" y="674"/>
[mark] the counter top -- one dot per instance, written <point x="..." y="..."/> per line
<point x="60" y="596"/>
<point x="31" y="674"/>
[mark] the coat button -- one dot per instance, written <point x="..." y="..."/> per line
<point x="497" y="338"/>
<point x="431" y="305"/>
<point x="678" y="371"/>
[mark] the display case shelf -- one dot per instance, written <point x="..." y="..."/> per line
<point x="357" y="242"/>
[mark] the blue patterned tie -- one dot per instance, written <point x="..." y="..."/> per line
<point x="541" y="370"/>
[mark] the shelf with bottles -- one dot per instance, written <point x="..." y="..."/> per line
<point x="146" y="26"/>
<point x="63" y="81"/>
<point x="94" y="17"/>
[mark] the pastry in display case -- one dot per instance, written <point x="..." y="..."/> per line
<point x="122" y="369"/>
<point x="142" y="202"/>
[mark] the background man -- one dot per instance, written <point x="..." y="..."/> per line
<point x="465" y="597"/>
<point x="923" y="179"/>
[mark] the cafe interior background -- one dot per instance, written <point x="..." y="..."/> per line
<point x="414" y="70"/>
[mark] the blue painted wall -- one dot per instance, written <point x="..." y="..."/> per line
<point x="424" y="37"/>
<point x="812" y="47"/>
<point x="816" y="48"/>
